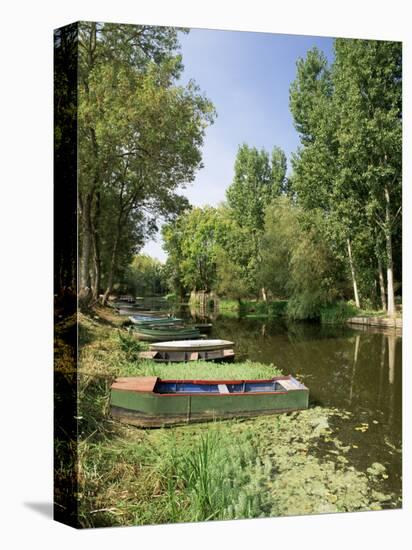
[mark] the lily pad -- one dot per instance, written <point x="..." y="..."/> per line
<point x="376" y="469"/>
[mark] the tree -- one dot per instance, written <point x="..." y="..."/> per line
<point x="349" y="119"/>
<point x="316" y="163"/>
<point x="307" y="94"/>
<point x="140" y="136"/>
<point x="193" y="243"/>
<point x="368" y="91"/>
<point x="256" y="182"/>
<point x="279" y="167"/>
<point x="145" y="276"/>
<point x="297" y="261"/>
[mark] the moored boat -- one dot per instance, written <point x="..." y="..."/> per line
<point x="146" y="320"/>
<point x="128" y="298"/>
<point x="127" y="311"/>
<point x="167" y="333"/>
<point x="220" y="355"/>
<point x="192" y="345"/>
<point x="149" y="401"/>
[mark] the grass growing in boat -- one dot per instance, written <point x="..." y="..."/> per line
<point x="208" y="371"/>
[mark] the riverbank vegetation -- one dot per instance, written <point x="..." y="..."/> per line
<point x="283" y="465"/>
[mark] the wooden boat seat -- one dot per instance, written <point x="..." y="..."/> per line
<point x="289" y="384"/>
<point x="223" y="388"/>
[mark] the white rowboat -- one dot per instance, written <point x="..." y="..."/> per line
<point x="191" y="345"/>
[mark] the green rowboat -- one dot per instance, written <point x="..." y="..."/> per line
<point x="162" y="334"/>
<point x="154" y="321"/>
<point x="152" y="402"/>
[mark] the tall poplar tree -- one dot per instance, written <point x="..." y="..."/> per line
<point x="257" y="181"/>
<point x="368" y="99"/>
<point x="349" y="164"/>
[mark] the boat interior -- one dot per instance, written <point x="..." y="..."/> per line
<point x="218" y="388"/>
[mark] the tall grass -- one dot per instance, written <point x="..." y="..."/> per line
<point x="168" y="476"/>
<point x="338" y="312"/>
<point x="254" y="308"/>
<point x="276" y="308"/>
<point x="129" y="345"/>
<point x="227" y="304"/>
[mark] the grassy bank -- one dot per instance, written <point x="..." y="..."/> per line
<point x="254" y="308"/>
<point x="268" y="466"/>
<point x="341" y="311"/>
<point x="336" y="313"/>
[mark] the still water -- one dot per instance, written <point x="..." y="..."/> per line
<point x="355" y="370"/>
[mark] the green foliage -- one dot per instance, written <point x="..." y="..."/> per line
<point x="195" y="244"/>
<point x="257" y="181"/>
<point x="338" y="312"/>
<point x="270" y="309"/>
<point x="349" y="120"/>
<point x="140" y="138"/>
<point x="227" y="304"/>
<point x="204" y="370"/>
<point x="277" y="308"/>
<point x="255" y="184"/>
<point x="298" y="262"/>
<point x="232" y="277"/>
<point x="312" y="84"/>
<point x="282" y="232"/>
<point x="129" y="345"/>
<point x="145" y="276"/>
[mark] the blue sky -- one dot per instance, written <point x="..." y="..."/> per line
<point x="247" y="77"/>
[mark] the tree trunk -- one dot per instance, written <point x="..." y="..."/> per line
<point x="381" y="284"/>
<point x="97" y="267"/>
<point x="264" y="295"/>
<point x="96" y="251"/>
<point x="388" y="240"/>
<point x="112" y="266"/>
<point x="84" y="290"/>
<point x="353" y="273"/>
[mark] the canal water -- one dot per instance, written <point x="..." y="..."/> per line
<point x="356" y="370"/>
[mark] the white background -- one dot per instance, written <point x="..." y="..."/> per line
<point x="26" y="271"/>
